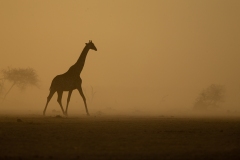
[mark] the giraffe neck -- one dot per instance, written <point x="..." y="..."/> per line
<point x="76" y="69"/>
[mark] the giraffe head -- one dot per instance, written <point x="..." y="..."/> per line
<point x="91" y="46"/>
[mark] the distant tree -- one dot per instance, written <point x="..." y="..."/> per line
<point x="210" y="97"/>
<point x="20" y="77"/>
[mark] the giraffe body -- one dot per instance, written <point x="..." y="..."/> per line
<point x="65" y="82"/>
<point x="70" y="80"/>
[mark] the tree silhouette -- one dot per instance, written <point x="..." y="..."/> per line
<point x="20" y="77"/>
<point x="210" y="97"/>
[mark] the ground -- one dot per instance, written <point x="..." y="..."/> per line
<point x="118" y="137"/>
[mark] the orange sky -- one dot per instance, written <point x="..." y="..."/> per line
<point x="146" y="49"/>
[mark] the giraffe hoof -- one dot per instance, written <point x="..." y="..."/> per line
<point x="65" y="113"/>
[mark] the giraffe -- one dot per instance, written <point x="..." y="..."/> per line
<point x="70" y="80"/>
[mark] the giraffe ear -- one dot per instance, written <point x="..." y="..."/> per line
<point x="86" y="43"/>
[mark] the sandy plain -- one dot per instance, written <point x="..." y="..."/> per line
<point x="118" y="137"/>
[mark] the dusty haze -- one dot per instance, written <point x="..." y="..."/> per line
<point x="153" y="56"/>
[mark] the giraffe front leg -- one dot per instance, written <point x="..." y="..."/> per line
<point x="84" y="99"/>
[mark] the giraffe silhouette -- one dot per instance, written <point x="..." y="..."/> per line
<point x="70" y="80"/>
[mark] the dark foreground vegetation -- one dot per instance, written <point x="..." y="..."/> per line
<point x="118" y="137"/>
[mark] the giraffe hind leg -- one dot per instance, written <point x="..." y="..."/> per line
<point x="60" y="93"/>
<point x="68" y="99"/>
<point x="48" y="100"/>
